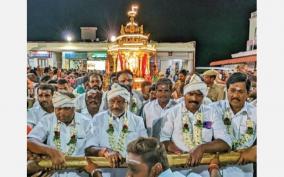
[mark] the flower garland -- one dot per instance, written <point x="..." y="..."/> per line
<point x="72" y="142"/>
<point x="120" y="144"/>
<point x="227" y="119"/>
<point x="192" y="138"/>
<point x="245" y="137"/>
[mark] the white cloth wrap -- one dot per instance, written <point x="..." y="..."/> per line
<point x="196" y="84"/>
<point x="62" y="101"/>
<point x="89" y="92"/>
<point x="117" y="90"/>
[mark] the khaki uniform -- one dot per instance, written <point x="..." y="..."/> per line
<point x="216" y="92"/>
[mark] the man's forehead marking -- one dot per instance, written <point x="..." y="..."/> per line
<point x="129" y="160"/>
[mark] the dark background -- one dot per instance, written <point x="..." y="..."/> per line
<point x="219" y="27"/>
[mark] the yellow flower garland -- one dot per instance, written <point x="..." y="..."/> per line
<point x="237" y="143"/>
<point x="195" y="138"/>
<point x="73" y="138"/>
<point x="118" y="145"/>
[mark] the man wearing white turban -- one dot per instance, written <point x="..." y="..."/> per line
<point x="197" y="83"/>
<point x="65" y="132"/>
<point x="95" y="82"/>
<point x="190" y="126"/>
<point x="116" y="127"/>
<point x="93" y="100"/>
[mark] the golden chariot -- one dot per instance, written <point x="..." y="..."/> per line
<point x="132" y="50"/>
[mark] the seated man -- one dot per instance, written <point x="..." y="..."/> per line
<point x="45" y="107"/>
<point x="65" y="132"/>
<point x="116" y="127"/>
<point x="239" y="118"/>
<point x="154" y="110"/>
<point x="190" y="126"/>
<point x="95" y="81"/>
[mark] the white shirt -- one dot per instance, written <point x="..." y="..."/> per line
<point x="254" y="102"/>
<point x="36" y="103"/>
<point x="136" y="128"/>
<point x="172" y="130"/>
<point x="153" y="111"/>
<point x="44" y="131"/>
<point x="86" y="113"/>
<point x="173" y="126"/>
<point x="239" y="127"/>
<point x="170" y="173"/>
<point x="35" y="114"/>
<point x="137" y="97"/>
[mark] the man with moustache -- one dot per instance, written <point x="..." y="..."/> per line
<point x="190" y="126"/>
<point x="66" y="133"/>
<point x="239" y="118"/>
<point x="45" y="107"/>
<point x="93" y="102"/>
<point x="154" y="110"/>
<point x="125" y="78"/>
<point x="95" y="82"/>
<point x="115" y="128"/>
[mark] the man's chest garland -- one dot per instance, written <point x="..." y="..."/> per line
<point x="118" y="145"/>
<point x="238" y="139"/>
<point x="192" y="134"/>
<point x="73" y="138"/>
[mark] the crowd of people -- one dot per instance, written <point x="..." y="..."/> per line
<point x="78" y="113"/>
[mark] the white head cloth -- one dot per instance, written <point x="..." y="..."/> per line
<point x="117" y="90"/>
<point x="91" y="91"/>
<point x="194" y="84"/>
<point x="60" y="100"/>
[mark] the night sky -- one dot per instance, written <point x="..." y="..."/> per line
<point x="219" y="27"/>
